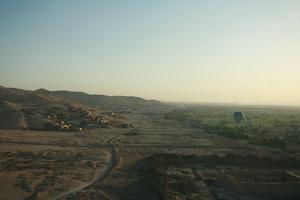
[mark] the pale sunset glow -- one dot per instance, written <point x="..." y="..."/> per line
<point x="245" y="52"/>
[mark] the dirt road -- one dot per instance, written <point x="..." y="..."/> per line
<point x="102" y="174"/>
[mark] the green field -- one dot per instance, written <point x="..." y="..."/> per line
<point x="270" y="126"/>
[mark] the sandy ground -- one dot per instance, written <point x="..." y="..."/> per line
<point x="40" y="169"/>
<point x="68" y="160"/>
<point x="8" y="190"/>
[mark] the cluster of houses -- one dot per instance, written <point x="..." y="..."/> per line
<point x="78" y="119"/>
<point x="58" y="124"/>
<point x="89" y="120"/>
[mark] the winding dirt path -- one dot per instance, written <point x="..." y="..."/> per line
<point x="103" y="173"/>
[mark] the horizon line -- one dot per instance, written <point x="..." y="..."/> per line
<point x="170" y="101"/>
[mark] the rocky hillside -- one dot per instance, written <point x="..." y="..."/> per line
<point x="39" y="110"/>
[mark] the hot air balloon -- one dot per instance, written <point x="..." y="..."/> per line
<point x="238" y="116"/>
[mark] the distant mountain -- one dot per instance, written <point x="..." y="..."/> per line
<point x="110" y="103"/>
<point x="60" y="110"/>
<point x="40" y="110"/>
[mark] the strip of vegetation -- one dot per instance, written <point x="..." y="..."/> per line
<point x="267" y="127"/>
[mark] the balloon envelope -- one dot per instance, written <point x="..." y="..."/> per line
<point x="238" y="116"/>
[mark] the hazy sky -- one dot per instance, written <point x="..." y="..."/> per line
<point x="171" y="50"/>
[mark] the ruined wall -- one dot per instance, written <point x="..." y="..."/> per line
<point x="262" y="188"/>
